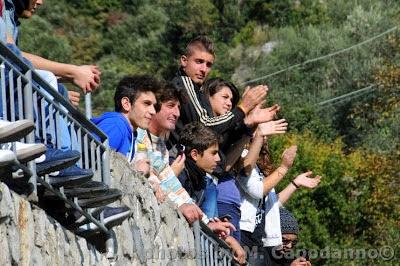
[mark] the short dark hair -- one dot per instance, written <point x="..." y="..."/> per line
<point x="167" y="92"/>
<point x="201" y="42"/>
<point x="132" y="86"/>
<point x="212" y="86"/>
<point x="20" y="6"/>
<point x="197" y="136"/>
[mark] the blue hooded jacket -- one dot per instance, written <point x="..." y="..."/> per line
<point x="119" y="132"/>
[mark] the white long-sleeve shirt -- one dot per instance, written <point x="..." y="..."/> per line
<point x="251" y="190"/>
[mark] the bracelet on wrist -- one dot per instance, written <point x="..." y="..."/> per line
<point x="239" y="106"/>
<point x="294" y="184"/>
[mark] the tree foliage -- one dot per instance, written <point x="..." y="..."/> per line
<point x="353" y="143"/>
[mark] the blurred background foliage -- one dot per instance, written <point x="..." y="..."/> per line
<point x="353" y="144"/>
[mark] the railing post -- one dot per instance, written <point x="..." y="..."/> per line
<point x="197" y="246"/>
<point x="106" y="173"/>
<point x="30" y="138"/>
<point x="3" y="90"/>
<point x="88" y="105"/>
<point x="111" y="246"/>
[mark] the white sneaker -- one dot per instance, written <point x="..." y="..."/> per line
<point x="13" y="131"/>
<point x="26" y="151"/>
<point x="7" y="157"/>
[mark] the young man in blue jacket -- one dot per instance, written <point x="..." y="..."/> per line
<point x="134" y="101"/>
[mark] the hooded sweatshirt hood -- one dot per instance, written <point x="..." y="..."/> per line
<point x="120" y="133"/>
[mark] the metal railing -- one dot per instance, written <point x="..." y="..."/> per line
<point x="25" y="95"/>
<point x="210" y="250"/>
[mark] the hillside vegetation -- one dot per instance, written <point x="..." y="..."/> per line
<point x="354" y="142"/>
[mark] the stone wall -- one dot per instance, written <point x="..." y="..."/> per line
<point x="154" y="234"/>
<point x="29" y="237"/>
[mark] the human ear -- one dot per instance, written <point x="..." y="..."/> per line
<point x="183" y="60"/>
<point x="126" y="104"/>
<point x="194" y="154"/>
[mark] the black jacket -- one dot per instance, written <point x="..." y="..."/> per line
<point x="198" y="108"/>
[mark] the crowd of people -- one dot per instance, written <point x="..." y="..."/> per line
<point x="207" y="151"/>
<point x="199" y="142"/>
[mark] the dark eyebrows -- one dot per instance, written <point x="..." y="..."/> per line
<point x="148" y="102"/>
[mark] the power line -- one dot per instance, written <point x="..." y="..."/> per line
<point x="353" y="94"/>
<point x="322" y="57"/>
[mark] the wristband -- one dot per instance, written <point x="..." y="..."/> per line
<point x="294" y="184"/>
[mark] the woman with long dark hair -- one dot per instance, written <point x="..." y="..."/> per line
<point x="260" y="220"/>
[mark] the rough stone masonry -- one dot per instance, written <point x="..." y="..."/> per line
<point x="154" y="234"/>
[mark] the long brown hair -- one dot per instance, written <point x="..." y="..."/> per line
<point x="264" y="161"/>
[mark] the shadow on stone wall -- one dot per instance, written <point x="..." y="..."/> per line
<point x="154" y="234"/>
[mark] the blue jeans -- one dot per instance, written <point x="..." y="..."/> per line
<point x="67" y="141"/>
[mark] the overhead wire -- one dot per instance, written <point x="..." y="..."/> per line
<point x="322" y="57"/>
<point x="352" y="95"/>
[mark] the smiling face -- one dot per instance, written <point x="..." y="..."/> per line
<point x="140" y="112"/>
<point x="221" y="101"/>
<point x="165" y="120"/>
<point x="197" y="65"/>
<point x="208" y="160"/>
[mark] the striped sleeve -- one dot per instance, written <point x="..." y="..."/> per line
<point x="169" y="183"/>
<point x="201" y="112"/>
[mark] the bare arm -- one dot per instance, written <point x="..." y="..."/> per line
<point x="259" y="188"/>
<point x="249" y="162"/>
<point x="86" y="77"/>
<point x="58" y="69"/>
<point x="263" y="130"/>
<point x="287" y="161"/>
<point x="302" y="180"/>
<point x="238" y="252"/>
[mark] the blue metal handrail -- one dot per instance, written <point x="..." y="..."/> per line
<point x="27" y="96"/>
<point x="210" y="250"/>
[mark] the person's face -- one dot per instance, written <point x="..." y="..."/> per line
<point x="289" y="241"/>
<point x="221" y="101"/>
<point x="208" y="160"/>
<point x="166" y="118"/>
<point x="140" y="112"/>
<point x="197" y="65"/>
<point x="33" y="4"/>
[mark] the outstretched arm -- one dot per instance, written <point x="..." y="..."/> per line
<point x="258" y="189"/>
<point x="260" y="115"/>
<point x="263" y="130"/>
<point x="86" y="77"/>
<point x="302" y="180"/>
